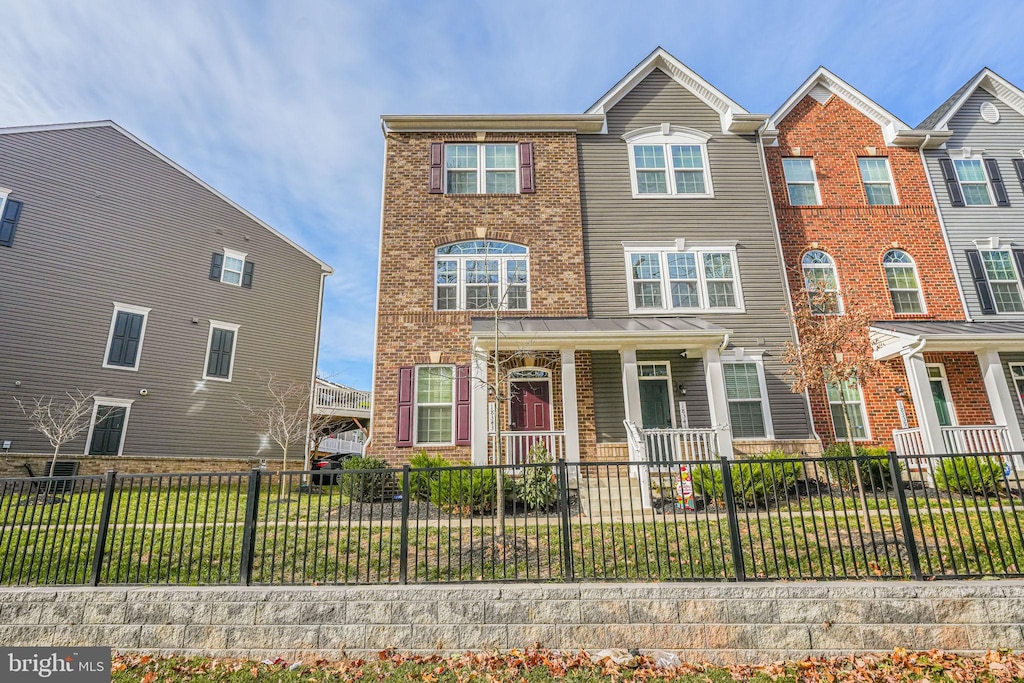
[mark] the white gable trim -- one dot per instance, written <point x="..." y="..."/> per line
<point x="110" y="124"/>
<point x="730" y="112"/>
<point x="993" y="84"/>
<point x="823" y="78"/>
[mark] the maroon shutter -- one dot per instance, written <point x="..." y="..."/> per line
<point x="436" y="168"/>
<point x="403" y="426"/>
<point x="526" y="182"/>
<point x="463" y="407"/>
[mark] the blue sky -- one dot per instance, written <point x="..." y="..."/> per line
<point x="277" y="104"/>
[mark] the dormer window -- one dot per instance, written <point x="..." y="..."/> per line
<point x="669" y="161"/>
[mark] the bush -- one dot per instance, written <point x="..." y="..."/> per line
<point x="753" y="483"/>
<point x="969" y="475"/>
<point x="419" y="482"/>
<point x="874" y="471"/>
<point x="367" y="486"/>
<point x="464" y="491"/>
<point x="537" y="489"/>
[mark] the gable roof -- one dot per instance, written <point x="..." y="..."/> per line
<point x="986" y="79"/>
<point x="735" y="119"/>
<point x="188" y="174"/>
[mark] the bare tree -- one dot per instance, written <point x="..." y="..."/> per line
<point x="59" y="420"/>
<point x="285" y="417"/>
<point x="319" y="428"/>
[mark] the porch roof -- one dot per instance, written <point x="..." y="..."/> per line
<point x="602" y="333"/>
<point x="890" y="338"/>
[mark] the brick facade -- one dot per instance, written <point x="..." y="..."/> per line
<point x="415" y="223"/>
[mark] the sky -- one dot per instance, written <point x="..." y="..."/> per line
<point x="278" y="104"/>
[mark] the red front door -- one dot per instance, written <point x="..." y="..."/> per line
<point x="529" y="411"/>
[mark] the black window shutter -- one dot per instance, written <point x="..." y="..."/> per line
<point x="1018" y="164"/>
<point x="221" y="343"/>
<point x="436" y="168"/>
<point x="9" y="222"/>
<point x="996" y="178"/>
<point x="124" y="343"/>
<point x="956" y="194"/>
<point x="213" y="362"/>
<point x="247" y="275"/>
<point x="526" y="176"/>
<point x="980" y="281"/>
<point x="1018" y="259"/>
<point x="216" y="264"/>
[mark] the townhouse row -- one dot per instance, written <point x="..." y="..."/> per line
<point x="625" y="276"/>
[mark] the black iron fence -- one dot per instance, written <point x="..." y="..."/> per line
<point x="740" y="520"/>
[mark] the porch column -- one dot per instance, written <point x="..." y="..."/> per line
<point x="631" y="386"/>
<point x="924" y="404"/>
<point x="478" y="379"/>
<point x="570" y="412"/>
<point x="999" y="397"/>
<point x="718" y="402"/>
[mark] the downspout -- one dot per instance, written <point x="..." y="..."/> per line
<point x="725" y="343"/>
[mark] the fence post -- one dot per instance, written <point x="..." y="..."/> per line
<point x="735" y="544"/>
<point x="249" y="530"/>
<point x="908" y="529"/>
<point x="568" y="570"/>
<point x="403" y="547"/>
<point x="101" y="534"/>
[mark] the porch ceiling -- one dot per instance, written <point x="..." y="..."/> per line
<point x="600" y="333"/>
<point x="892" y="337"/>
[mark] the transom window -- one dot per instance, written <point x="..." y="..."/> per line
<point x="747" y="398"/>
<point x="877" y="178"/>
<point x="481" y="275"/>
<point x="481" y="169"/>
<point x="801" y="181"/>
<point x="662" y="279"/>
<point x="973" y="182"/>
<point x="1003" y="279"/>
<point x="821" y="283"/>
<point x="435" y="398"/>
<point x="669" y="161"/>
<point x="849" y="392"/>
<point x="901" y="276"/>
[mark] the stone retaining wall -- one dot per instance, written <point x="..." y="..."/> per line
<point x="715" y="622"/>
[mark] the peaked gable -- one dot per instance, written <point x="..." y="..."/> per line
<point x="987" y="80"/>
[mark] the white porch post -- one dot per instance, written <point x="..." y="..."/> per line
<point x="570" y="413"/>
<point x="631" y="386"/>
<point x="999" y="397"/>
<point x="478" y="378"/>
<point x="924" y="404"/>
<point x="718" y="402"/>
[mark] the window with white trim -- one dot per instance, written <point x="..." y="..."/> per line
<point x="481" y="275"/>
<point x="974" y="184"/>
<point x="108" y="426"/>
<point x="125" y="337"/>
<point x="821" y="283"/>
<point x="1004" y="280"/>
<point x="901" y="276"/>
<point x="1017" y="374"/>
<point x="434" y="412"/>
<point x="876" y="175"/>
<point x="220" y="351"/>
<point x="481" y="169"/>
<point x="666" y="279"/>
<point x="854" y="399"/>
<point x="801" y="181"/>
<point x="669" y="161"/>
<point x="745" y="393"/>
<point x="234" y="264"/>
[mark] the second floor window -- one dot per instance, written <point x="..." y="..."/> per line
<point x="973" y="182"/>
<point x="821" y="283"/>
<point x="877" y="178"/>
<point x="124" y="341"/>
<point x="901" y="276"/>
<point x="662" y="280"/>
<point x="801" y="181"/>
<point x="481" y="169"/>
<point x="481" y="275"/>
<point x="1003" y="281"/>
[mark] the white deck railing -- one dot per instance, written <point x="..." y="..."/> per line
<point x="672" y="445"/>
<point x="349" y="442"/>
<point x="957" y="440"/>
<point x="341" y="400"/>
<point x="515" y="446"/>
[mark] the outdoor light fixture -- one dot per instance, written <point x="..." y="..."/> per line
<point x="7" y="447"/>
<point x="899" y="391"/>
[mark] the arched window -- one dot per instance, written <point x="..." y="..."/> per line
<point x="481" y="275"/>
<point x="821" y="283"/>
<point x="669" y="161"/>
<point x="901" y="276"/>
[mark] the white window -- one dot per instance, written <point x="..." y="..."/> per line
<point x="877" y="178"/>
<point x="108" y="425"/>
<point x="973" y="181"/>
<point x="481" y="275"/>
<point x="1004" y="281"/>
<point x="851" y="393"/>
<point x="749" y="413"/>
<point x="220" y="351"/>
<point x="801" y="181"/>
<point x="662" y="278"/>
<point x="1017" y="373"/>
<point x="435" y="399"/>
<point x="669" y="161"/>
<point x="124" y="340"/>
<point x="901" y="276"/>
<point x="234" y="264"/>
<point x="821" y="283"/>
<point x="481" y="169"/>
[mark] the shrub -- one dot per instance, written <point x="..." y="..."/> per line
<point x="367" y="486"/>
<point x="753" y="483"/>
<point x="464" y="491"/>
<point x="874" y="470"/>
<point x="537" y="489"/>
<point x="419" y="482"/>
<point x="969" y="475"/>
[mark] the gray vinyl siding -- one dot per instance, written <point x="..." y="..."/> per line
<point x="1006" y="359"/>
<point x="106" y="221"/>
<point x="740" y="210"/>
<point x="1001" y="141"/>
